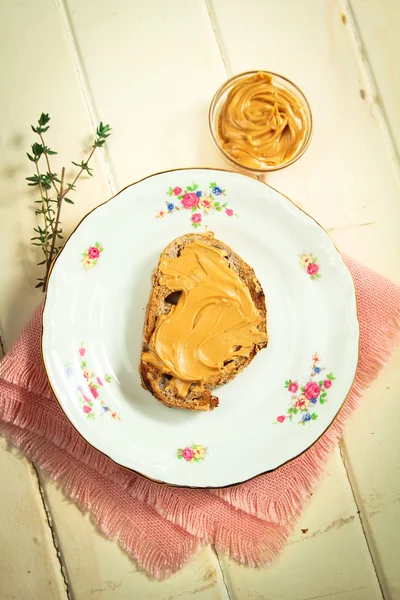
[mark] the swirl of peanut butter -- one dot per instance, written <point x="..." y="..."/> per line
<point x="214" y="320"/>
<point x="261" y="124"/>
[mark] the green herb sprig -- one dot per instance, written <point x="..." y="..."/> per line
<point x="53" y="191"/>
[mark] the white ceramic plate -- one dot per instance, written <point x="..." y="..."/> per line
<point x="93" y="320"/>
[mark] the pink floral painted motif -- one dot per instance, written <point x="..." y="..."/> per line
<point x="88" y="394"/>
<point x="304" y="398"/>
<point x="194" y="453"/>
<point x="309" y="264"/>
<point x="91" y="256"/>
<point x="199" y="203"/>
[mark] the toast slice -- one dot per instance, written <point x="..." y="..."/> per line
<point x="197" y="395"/>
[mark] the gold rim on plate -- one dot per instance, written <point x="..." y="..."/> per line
<point x="134" y="470"/>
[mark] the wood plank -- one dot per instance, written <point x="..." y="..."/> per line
<point x="152" y="68"/>
<point x="40" y="77"/>
<point x="122" y="46"/>
<point x="346" y="178"/>
<point x="98" y="569"/>
<point x="378" y="23"/>
<point x="372" y="451"/>
<point x="157" y="120"/>
<point x="29" y="567"/>
<point x="326" y="556"/>
<point x="348" y="181"/>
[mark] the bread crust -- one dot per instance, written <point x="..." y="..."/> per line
<point x="198" y="397"/>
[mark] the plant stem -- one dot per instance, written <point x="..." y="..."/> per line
<point x="82" y="169"/>
<point x="53" y="241"/>
<point x="48" y="165"/>
<point x="44" y="246"/>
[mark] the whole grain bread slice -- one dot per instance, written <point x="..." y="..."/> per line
<point x="198" y="397"/>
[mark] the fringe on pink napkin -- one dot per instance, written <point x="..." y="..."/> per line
<point x="162" y="527"/>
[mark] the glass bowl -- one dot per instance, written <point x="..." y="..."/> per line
<point x="279" y="81"/>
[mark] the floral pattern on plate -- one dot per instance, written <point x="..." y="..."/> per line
<point x="305" y="398"/>
<point x="194" y="453"/>
<point x="198" y="202"/>
<point x="91" y="256"/>
<point x="309" y="264"/>
<point x="88" y="394"/>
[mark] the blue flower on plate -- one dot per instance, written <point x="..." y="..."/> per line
<point x="105" y="409"/>
<point x="170" y="206"/>
<point x="199" y="194"/>
<point x="317" y="370"/>
<point x="217" y="191"/>
<point x="313" y="401"/>
<point x="68" y="371"/>
<point x="306" y="417"/>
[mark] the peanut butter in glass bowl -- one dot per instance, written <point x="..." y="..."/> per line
<point x="260" y="121"/>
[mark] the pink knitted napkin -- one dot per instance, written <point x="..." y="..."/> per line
<point x="160" y="526"/>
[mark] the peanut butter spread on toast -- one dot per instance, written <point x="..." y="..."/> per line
<point x="214" y="321"/>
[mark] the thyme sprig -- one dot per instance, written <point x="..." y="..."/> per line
<point x="53" y="190"/>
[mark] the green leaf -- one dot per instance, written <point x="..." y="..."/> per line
<point x="51" y="152"/>
<point x="44" y="119"/>
<point x="179" y="456"/>
<point x="290" y="410"/>
<point x="213" y="184"/>
<point x="97" y="245"/>
<point x="30" y="157"/>
<point x="35" y="178"/>
<point x="321" y="401"/>
<point x="195" y="187"/>
<point x="180" y="197"/>
<point x="295" y="411"/>
<point x="194" y="208"/>
<point x="218" y="208"/>
<point x="68" y="200"/>
<point x="103" y="131"/>
<point x="190" y="188"/>
<point x="37" y="149"/>
<point x="196" y="460"/>
<point x="302" y="389"/>
<point x="314" y="416"/>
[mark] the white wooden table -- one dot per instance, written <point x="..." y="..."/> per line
<point x="150" y="68"/>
